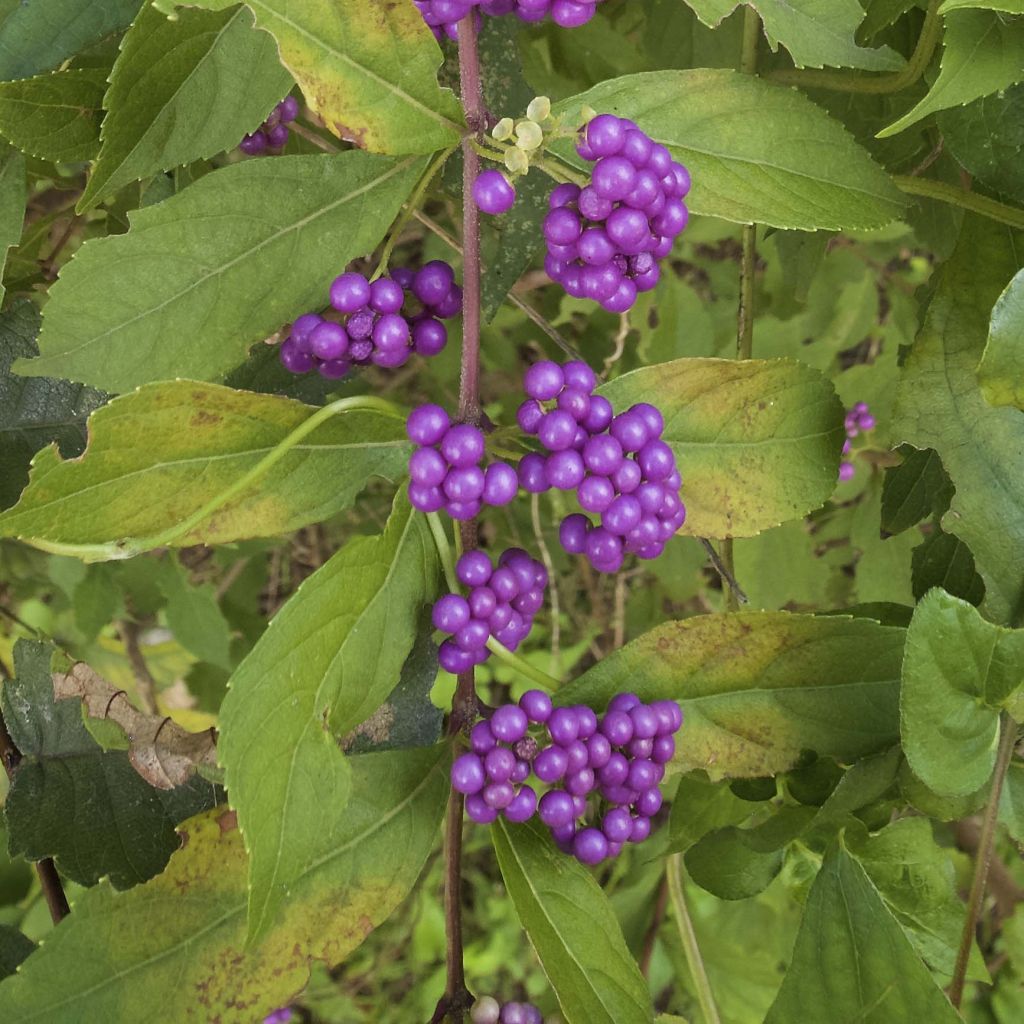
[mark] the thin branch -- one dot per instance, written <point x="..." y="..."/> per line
<point x="49" y="880"/>
<point x="549" y="565"/>
<point x="311" y="136"/>
<point x="660" y="907"/>
<point x="145" y="684"/>
<point x="706" y="998"/>
<point x="986" y="843"/>
<point x="620" y="345"/>
<point x="849" y="81"/>
<point x="726" y="573"/>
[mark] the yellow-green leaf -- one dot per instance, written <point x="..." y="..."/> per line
<point x="1001" y="370"/>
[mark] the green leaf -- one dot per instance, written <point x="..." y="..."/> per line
<point x="12" y="202"/>
<point x="55" y="117"/>
<point x="914" y="490"/>
<point x="326" y="663"/>
<point x="369" y="72"/>
<point x="862" y="784"/>
<point x="940" y="406"/>
<point x="757" y="441"/>
<point x="183" y="90"/>
<point x="175" y="934"/>
<point x="167" y="464"/>
<point x="194" y="616"/>
<point x="852" y="960"/>
<point x="738" y="144"/>
<point x="130" y="309"/>
<point x="88" y="809"/>
<point x="759" y="688"/>
<point x="915" y="878"/>
<point x="572" y="928"/>
<point x="37" y="35"/>
<point x="699" y="807"/>
<point x="1001" y="370"/>
<point x="816" y="32"/>
<point x="14" y="949"/>
<point x="943" y="560"/>
<point x="737" y="863"/>
<point x="958" y="671"/>
<point x="781" y="568"/>
<point x="34" y="412"/>
<point x="987" y="137"/>
<point x="1007" y="6"/>
<point x="982" y="53"/>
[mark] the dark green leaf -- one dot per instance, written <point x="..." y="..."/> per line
<point x="737" y="863"/>
<point x="914" y="490"/>
<point x="55" y="117"/>
<point x="34" y="412"/>
<point x="183" y="90"/>
<point x="699" y="807"/>
<point x="1001" y="371"/>
<point x="14" y="948"/>
<point x="194" y="616"/>
<point x="852" y="960"/>
<point x="12" y="201"/>
<point x="37" y="35"/>
<point x="88" y="809"/>
<point x="572" y="927"/>
<point x="945" y="561"/>
<point x="129" y="309"/>
<point x="939" y="405"/>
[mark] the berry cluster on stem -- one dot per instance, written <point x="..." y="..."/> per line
<point x="273" y="133"/>
<point x="487" y="1010"/>
<point x="383" y="322"/>
<point x="604" y="240"/>
<point x="443" y="16"/>
<point x="858" y="421"/>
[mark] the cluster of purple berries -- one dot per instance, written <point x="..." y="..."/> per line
<point x="618" y="465"/>
<point x="375" y="328"/>
<point x="445" y="471"/>
<point x="502" y="602"/>
<point x="604" y="241"/>
<point x="488" y="1010"/>
<point x="618" y="760"/>
<point x="858" y="421"/>
<point x="443" y="16"/>
<point x="273" y="133"/>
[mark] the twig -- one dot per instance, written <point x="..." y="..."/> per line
<point x="49" y="880"/>
<point x="620" y="345"/>
<point x="549" y="565"/>
<point x="145" y="684"/>
<point x="310" y="136"/>
<point x="728" y="578"/>
<point x="457" y="998"/>
<point x="660" y="907"/>
<point x="706" y="998"/>
<point x="8" y="614"/>
<point x="619" y="613"/>
<point x="1007" y="738"/>
<point x="50" y="265"/>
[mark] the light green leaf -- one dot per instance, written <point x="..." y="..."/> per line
<point x="757" y="441"/>
<point x="183" y="90"/>
<point x="737" y="863"/>
<point x="37" y="35"/>
<point x="816" y="32"/>
<point x="699" y="807"/>
<point x="194" y="616"/>
<point x="167" y="465"/>
<point x="12" y="202"/>
<point x="852" y="960"/>
<point x="325" y="664"/>
<point x="781" y="568"/>
<point x="1007" y="6"/>
<point x="757" y="152"/>
<point x="174" y="934"/>
<point x="571" y="926"/>
<point x="982" y="53"/>
<point x="1001" y="370"/>
<point x="201" y="276"/>
<point x="915" y="878"/>
<point x="939" y="405"/>
<point x="958" y="671"/>
<point x="760" y="688"/>
<point x="370" y="71"/>
<point x="54" y="117"/>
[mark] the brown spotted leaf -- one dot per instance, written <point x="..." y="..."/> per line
<point x="182" y="935"/>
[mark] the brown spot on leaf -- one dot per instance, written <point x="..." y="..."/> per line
<point x="228" y="822"/>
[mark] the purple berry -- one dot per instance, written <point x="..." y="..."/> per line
<point x="350" y="292"/>
<point x="509" y="723"/>
<point x="493" y="193"/>
<point x="468" y="774"/>
<point x="427" y="424"/>
<point x="537" y="705"/>
<point x="463" y="445"/>
<point x="433" y="283"/>
<point x="590" y="846"/>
